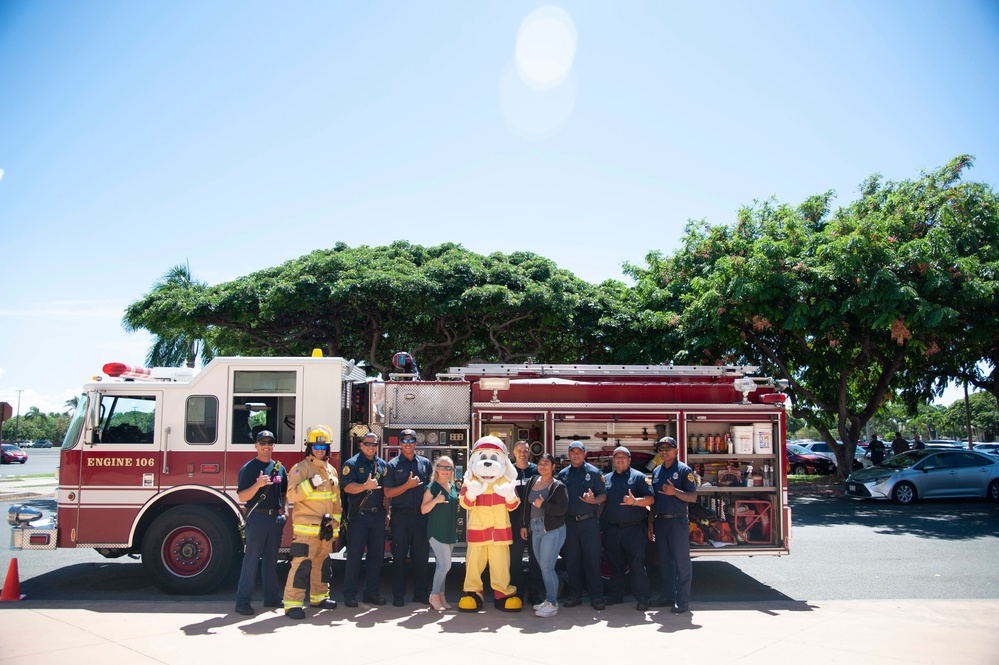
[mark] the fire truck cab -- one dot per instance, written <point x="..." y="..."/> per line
<point x="149" y="464"/>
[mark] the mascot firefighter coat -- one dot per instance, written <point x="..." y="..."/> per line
<point x="489" y="494"/>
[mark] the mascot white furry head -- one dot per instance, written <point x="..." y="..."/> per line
<point x="489" y="462"/>
<point x="489" y="493"/>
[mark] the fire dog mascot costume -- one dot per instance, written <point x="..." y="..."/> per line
<point x="314" y="488"/>
<point x="489" y="494"/>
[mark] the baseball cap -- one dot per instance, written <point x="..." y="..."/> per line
<point x="407" y="436"/>
<point x="622" y="449"/>
<point x="265" y="434"/>
<point x="667" y="441"/>
<point x="576" y="445"/>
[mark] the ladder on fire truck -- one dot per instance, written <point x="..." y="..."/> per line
<point x="532" y="371"/>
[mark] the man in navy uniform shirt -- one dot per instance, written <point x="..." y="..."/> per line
<point x="405" y="483"/>
<point x="581" y="551"/>
<point x="624" y="520"/>
<point x="361" y="479"/>
<point x="674" y="488"/>
<point x="261" y="485"/>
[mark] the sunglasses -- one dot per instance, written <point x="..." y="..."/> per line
<point x="445" y="468"/>
<point x="407" y="440"/>
<point x="369" y="443"/>
<point x="320" y="446"/>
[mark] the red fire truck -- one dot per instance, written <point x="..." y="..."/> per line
<point x="150" y="461"/>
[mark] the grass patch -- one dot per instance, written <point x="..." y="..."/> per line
<point x="814" y="481"/>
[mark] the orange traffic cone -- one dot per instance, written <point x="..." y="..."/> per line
<point x="12" y="585"/>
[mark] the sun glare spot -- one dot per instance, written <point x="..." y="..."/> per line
<point x="546" y="47"/>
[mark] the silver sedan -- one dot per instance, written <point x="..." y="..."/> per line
<point x="928" y="474"/>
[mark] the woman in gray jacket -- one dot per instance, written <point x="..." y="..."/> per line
<point x="544" y="511"/>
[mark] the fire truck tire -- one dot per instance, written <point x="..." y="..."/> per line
<point x="189" y="550"/>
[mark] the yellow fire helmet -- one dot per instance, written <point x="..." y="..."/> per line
<point x="318" y="434"/>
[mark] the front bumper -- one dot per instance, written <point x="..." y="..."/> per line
<point x="868" y="490"/>
<point x="29" y="530"/>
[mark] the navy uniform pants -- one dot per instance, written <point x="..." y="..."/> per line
<point x="366" y="532"/>
<point x="673" y="548"/>
<point x="582" y="557"/>
<point x="409" y="536"/>
<point x="263" y="539"/>
<point x="625" y="549"/>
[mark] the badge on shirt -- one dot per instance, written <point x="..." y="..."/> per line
<point x="346" y="470"/>
<point x="675" y="475"/>
<point x="587" y="479"/>
<point x="690" y="477"/>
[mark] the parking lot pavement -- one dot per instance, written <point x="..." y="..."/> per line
<point x="765" y="633"/>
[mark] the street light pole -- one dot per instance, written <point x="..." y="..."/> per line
<point x="17" y="421"/>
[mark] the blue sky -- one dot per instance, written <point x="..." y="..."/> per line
<point x="238" y="135"/>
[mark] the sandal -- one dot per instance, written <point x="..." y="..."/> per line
<point x="435" y="602"/>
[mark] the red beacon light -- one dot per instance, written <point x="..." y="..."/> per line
<point x="121" y="370"/>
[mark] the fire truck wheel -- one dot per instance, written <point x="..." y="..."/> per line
<point x="188" y="550"/>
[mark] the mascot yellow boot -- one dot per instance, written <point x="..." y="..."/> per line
<point x="488" y="493"/>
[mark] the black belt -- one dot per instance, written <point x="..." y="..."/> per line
<point x="580" y="518"/>
<point x="369" y="511"/>
<point x="407" y="511"/>
<point x="625" y="525"/>
<point x="668" y="516"/>
<point x="272" y="511"/>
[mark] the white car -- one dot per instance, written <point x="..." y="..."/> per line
<point x="822" y="448"/>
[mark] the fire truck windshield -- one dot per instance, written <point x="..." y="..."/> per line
<point x="76" y="424"/>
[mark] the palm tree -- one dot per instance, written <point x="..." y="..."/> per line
<point x="178" y="340"/>
<point x="71" y="404"/>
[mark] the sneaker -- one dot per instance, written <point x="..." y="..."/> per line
<point x="547" y="610"/>
<point x="538" y="606"/>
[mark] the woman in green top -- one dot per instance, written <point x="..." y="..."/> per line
<point x="440" y="504"/>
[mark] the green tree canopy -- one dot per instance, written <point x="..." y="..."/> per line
<point x="444" y="304"/>
<point x="852" y="307"/>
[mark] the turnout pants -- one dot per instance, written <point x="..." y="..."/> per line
<point x="311" y="569"/>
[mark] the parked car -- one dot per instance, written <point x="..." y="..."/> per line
<point x="12" y="454"/>
<point x="945" y="444"/>
<point x="926" y="474"/>
<point x="822" y="448"/>
<point x="990" y="448"/>
<point x="801" y="461"/>
<point x="43" y="443"/>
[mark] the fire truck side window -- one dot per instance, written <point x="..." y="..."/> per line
<point x="263" y="400"/>
<point x="128" y="418"/>
<point x="201" y="423"/>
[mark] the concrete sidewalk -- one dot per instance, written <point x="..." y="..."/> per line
<point x="16" y="489"/>
<point x="182" y="632"/>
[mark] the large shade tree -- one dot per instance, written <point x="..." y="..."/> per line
<point x="444" y="304"/>
<point x="852" y="307"/>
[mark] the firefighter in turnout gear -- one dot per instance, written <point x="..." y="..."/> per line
<point x="314" y="488"/>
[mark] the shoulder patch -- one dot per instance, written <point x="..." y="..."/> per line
<point x="690" y="477"/>
<point x="346" y="470"/>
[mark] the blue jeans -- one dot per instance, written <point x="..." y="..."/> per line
<point x="546" y="547"/>
<point x="442" y="554"/>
